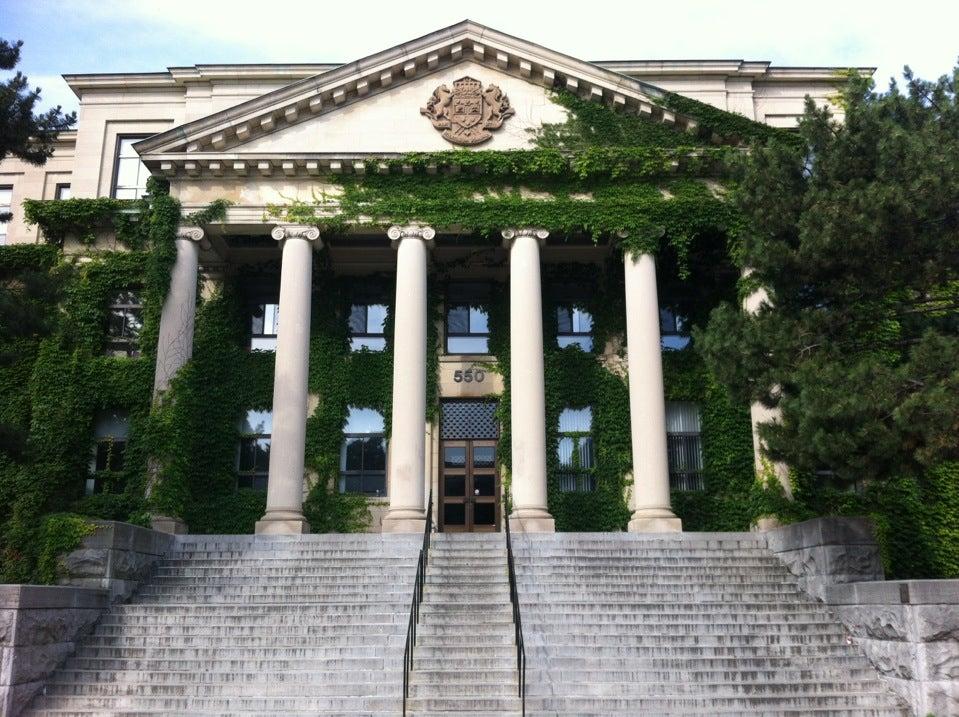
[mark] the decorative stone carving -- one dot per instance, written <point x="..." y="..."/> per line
<point x="190" y="233"/>
<point x="295" y="231"/>
<point x="512" y="233"/>
<point x="410" y="231"/>
<point x="467" y="113"/>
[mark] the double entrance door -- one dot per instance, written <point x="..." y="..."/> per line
<point x="469" y="482"/>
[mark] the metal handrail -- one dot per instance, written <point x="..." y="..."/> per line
<point x="421" y="564"/>
<point x="517" y="618"/>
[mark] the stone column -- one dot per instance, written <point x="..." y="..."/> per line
<point x="407" y="481"/>
<point x="175" y="342"/>
<point x="527" y="383"/>
<point x="652" y="512"/>
<point x="759" y="414"/>
<point x="284" y="496"/>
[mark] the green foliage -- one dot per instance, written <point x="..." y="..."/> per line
<point x="60" y="533"/>
<point x="24" y="134"/>
<point x="854" y="237"/>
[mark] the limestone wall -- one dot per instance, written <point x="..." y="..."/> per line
<point x="909" y="629"/>
<point x="39" y="627"/>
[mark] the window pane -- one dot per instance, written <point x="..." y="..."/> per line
<point x="682" y="417"/>
<point x="667" y="320"/>
<point x="116" y="323"/>
<point x="675" y="342"/>
<point x="375" y="318"/>
<point x="263" y="344"/>
<point x="576" y="420"/>
<point x="373" y="484"/>
<point x="134" y="322"/>
<point x="117" y="455"/>
<point x="271" y="319"/>
<point x="584" y="342"/>
<point x="466" y="345"/>
<point x="358" y="319"/>
<point x="564" y="451"/>
<point x="374" y="454"/>
<point x="256" y="320"/>
<point x="62" y="192"/>
<point x="111" y="424"/>
<point x="484" y="513"/>
<point x="261" y="449"/>
<point x="457" y="320"/>
<point x="484" y="456"/>
<point x="260" y="482"/>
<point x="247" y="454"/>
<point x="126" y="147"/>
<point x="128" y="171"/>
<point x="582" y="321"/>
<point x="564" y="320"/>
<point x="351" y="483"/>
<point x="586" y="452"/>
<point x="454" y="514"/>
<point x="352" y="454"/>
<point x="484" y="484"/>
<point x="257" y="422"/>
<point x="454" y="456"/>
<point x="363" y="420"/>
<point x="479" y="320"/>
<point x="103" y="456"/>
<point x="454" y="485"/>
<point x="370" y="343"/>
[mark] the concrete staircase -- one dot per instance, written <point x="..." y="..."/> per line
<point x="465" y="656"/>
<point x="615" y="624"/>
<point x="311" y="624"/>
<point x="711" y="624"/>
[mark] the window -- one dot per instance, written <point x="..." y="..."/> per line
<point x="363" y="456"/>
<point x="130" y="175"/>
<point x="673" y="330"/>
<point x="253" y="456"/>
<point x="110" y="429"/>
<point x="6" y="200"/>
<point x="467" y="319"/>
<point x="264" y="322"/>
<point x="124" y="321"/>
<point x="684" y="445"/>
<point x="574" y="327"/>
<point x="575" y="450"/>
<point x="62" y="192"/>
<point x="367" y="327"/>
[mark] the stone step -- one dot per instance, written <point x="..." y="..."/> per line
<point x="225" y="705"/>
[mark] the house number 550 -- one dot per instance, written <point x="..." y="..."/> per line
<point x="469" y="375"/>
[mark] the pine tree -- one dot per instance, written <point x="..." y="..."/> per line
<point x="856" y="239"/>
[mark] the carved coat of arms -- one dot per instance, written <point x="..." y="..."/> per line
<point x="467" y="113"/>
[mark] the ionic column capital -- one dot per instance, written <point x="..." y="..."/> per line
<point x="190" y="233"/>
<point x="511" y="233"/>
<point x="281" y="232"/>
<point x="398" y="233"/>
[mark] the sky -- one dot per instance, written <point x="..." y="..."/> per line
<point x="77" y="36"/>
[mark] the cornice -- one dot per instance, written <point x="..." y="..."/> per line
<point x="377" y="73"/>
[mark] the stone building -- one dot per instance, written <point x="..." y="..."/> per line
<point x="266" y="135"/>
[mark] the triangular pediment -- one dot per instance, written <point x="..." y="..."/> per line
<point x="336" y="120"/>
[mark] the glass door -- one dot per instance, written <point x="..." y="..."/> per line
<point x="469" y="482"/>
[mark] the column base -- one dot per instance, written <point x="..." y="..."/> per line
<point x="404" y="520"/>
<point x="282" y="524"/>
<point x="167" y="524"/>
<point x="531" y="520"/>
<point x="655" y="521"/>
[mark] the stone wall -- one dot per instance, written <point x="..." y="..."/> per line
<point x="909" y="629"/>
<point x="117" y="557"/>
<point x="827" y="551"/>
<point x="39" y="626"/>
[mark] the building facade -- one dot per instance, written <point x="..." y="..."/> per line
<point x="291" y="148"/>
